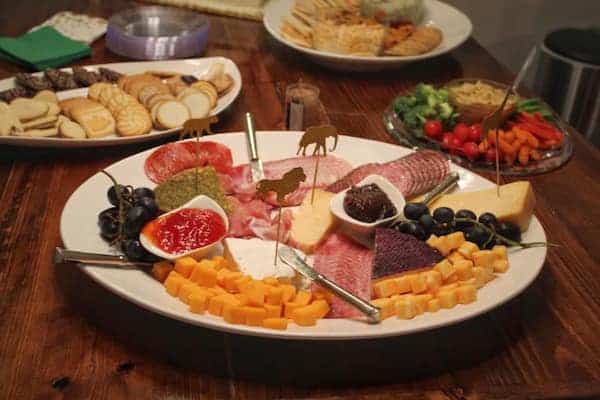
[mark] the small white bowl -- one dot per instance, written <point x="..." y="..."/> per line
<point x="200" y="202"/>
<point x="366" y="229"/>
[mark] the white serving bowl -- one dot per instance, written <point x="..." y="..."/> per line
<point x="361" y="229"/>
<point x="199" y="202"/>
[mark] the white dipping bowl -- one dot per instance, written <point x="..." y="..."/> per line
<point x="365" y="229"/>
<point x="199" y="202"/>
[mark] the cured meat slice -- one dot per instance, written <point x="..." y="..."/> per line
<point x="331" y="169"/>
<point x="257" y="219"/>
<point x="172" y="158"/>
<point x="350" y="266"/>
<point x="412" y="174"/>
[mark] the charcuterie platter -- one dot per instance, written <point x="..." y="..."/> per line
<point x="426" y="269"/>
<point x="112" y="104"/>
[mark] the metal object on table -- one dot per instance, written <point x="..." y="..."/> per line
<point x="157" y="33"/>
<point x="102" y="260"/>
<point x="445" y="185"/>
<point x="256" y="166"/>
<point x="568" y="78"/>
<point x="291" y="258"/>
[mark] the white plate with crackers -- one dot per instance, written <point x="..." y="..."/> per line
<point x="455" y="28"/>
<point x="151" y="100"/>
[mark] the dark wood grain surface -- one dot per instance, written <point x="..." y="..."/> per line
<point x="62" y="336"/>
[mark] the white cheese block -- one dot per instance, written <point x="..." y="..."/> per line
<point x="312" y="221"/>
<point x="255" y="257"/>
<point x="515" y="204"/>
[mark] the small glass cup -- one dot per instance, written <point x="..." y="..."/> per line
<point x="302" y="105"/>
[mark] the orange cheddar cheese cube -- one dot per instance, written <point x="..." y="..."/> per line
<point x="186" y="290"/>
<point x="421" y="301"/>
<point x="229" y="281"/>
<point x="273" y="311"/>
<point x="455" y="256"/>
<point x="418" y="283"/>
<point x="161" y="270"/>
<point x="216" y="290"/>
<point x="385" y="288"/>
<point x="274" y="295"/>
<point x="466" y="294"/>
<point x="184" y="266"/>
<point x="433" y="280"/>
<point x="215" y="303"/>
<point x="242" y="282"/>
<point x="455" y="239"/>
<point x="289" y="307"/>
<point x="445" y="268"/>
<point x="173" y="283"/>
<point x="387" y="307"/>
<point x="234" y="314"/>
<point x="464" y="269"/>
<point x="322" y="294"/>
<point x="204" y="274"/>
<point x="321" y="308"/>
<point x="483" y="258"/>
<point x="219" y="262"/>
<point x="271" y="280"/>
<point x="302" y="297"/>
<point x="275" y="323"/>
<point x="433" y="305"/>
<point x="289" y="291"/>
<point x="500" y="265"/>
<point x="242" y="298"/>
<point x="403" y="284"/>
<point x="255" y="315"/>
<point x="500" y="252"/>
<point x="406" y="308"/>
<point x="467" y="249"/>
<point x="304" y="316"/>
<point x="198" y="302"/>
<point x="256" y="293"/>
<point x="447" y="298"/>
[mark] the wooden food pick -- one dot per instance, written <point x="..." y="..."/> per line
<point x="317" y="135"/>
<point x="289" y="183"/>
<point x="197" y="127"/>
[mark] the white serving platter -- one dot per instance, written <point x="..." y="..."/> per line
<point x="79" y="231"/>
<point x="455" y="26"/>
<point x="192" y="66"/>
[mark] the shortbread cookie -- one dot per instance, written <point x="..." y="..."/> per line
<point x="95" y="119"/>
<point x="107" y="93"/>
<point x="70" y="129"/>
<point x="133" y="121"/>
<point x="119" y="101"/>
<point x="198" y="104"/>
<point x="9" y="123"/>
<point x="135" y="86"/>
<point x="47" y="132"/>
<point x="38" y="123"/>
<point x="68" y="104"/>
<point x="95" y="90"/>
<point x="46" y="95"/>
<point x="172" y="114"/>
<point x="26" y="109"/>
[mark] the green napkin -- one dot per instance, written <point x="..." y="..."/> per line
<point x="42" y="48"/>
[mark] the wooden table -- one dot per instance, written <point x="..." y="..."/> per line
<point x="64" y="336"/>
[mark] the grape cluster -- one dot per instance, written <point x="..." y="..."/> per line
<point x="122" y="223"/>
<point x="484" y="231"/>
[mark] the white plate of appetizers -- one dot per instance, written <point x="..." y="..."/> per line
<point x="193" y="66"/>
<point x="79" y="231"/>
<point x="456" y="28"/>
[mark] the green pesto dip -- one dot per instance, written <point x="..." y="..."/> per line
<point x="181" y="188"/>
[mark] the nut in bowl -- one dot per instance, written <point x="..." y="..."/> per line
<point x="193" y="229"/>
<point x="361" y="211"/>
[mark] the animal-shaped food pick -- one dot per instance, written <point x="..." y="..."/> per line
<point x="289" y="183"/>
<point x="197" y="127"/>
<point x="317" y="136"/>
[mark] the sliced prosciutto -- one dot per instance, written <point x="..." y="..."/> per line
<point x="331" y="169"/>
<point x="412" y="175"/>
<point x="349" y="265"/>
<point x="172" y="158"/>
<point x="256" y="218"/>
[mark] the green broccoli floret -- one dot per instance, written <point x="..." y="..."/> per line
<point x="423" y="91"/>
<point x="404" y="104"/>
<point x="442" y="95"/>
<point x="445" y="110"/>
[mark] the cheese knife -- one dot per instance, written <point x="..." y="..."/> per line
<point x="256" y="167"/>
<point x="102" y="260"/>
<point x="291" y="258"/>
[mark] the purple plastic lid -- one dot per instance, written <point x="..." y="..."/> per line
<point x="157" y="33"/>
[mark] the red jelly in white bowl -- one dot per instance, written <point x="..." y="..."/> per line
<point x="192" y="229"/>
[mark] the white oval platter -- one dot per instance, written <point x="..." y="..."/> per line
<point x="79" y="232"/>
<point x="192" y="66"/>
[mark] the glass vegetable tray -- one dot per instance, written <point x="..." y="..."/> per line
<point x="551" y="159"/>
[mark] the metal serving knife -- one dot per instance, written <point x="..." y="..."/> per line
<point x="103" y="260"/>
<point x="256" y="166"/>
<point x="291" y="258"/>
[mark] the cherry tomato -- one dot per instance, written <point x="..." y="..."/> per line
<point x="471" y="150"/>
<point x="490" y="155"/>
<point x="446" y="140"/>
<point x="461" y="131"/>
<point x="475" y="133"/>
<point x="455" y="143"/>
<point x="433" y="128"/>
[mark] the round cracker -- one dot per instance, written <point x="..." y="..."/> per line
<point x="172" y="114"/>
<point x="198" y="104"/>
<point x="209" y="89"/>
<point x="152" y="100"/>
<point x="133" y="121"/>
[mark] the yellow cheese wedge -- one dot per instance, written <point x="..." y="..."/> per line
<point x="515" y="204"/>
<point x="312" y="222"/>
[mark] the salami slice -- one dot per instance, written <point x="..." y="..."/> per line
<point x="413" y="174"/>
<point x="172" y="158"/>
